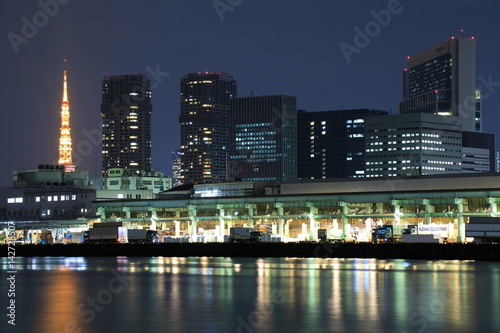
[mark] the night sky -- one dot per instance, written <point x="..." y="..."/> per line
<point x="269" y="46"/>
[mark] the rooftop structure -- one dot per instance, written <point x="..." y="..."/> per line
<point x="442" y="80"/>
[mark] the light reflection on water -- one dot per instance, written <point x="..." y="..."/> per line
<point x="201" y="294"/>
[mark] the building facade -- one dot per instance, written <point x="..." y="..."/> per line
<point x="263" y="138"/>
<point x="413" y="144"/>
<point x="331" y="143"/>
<point x="126" y="179"/>
<point x="442" y="80"/>
<point x="47" y="193"/>
<point x="204" y="126"/>
<point x="126" y="122"/>
<point x="478" y="152"/>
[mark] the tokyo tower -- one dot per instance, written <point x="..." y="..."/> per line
<point x="65" y="148"/>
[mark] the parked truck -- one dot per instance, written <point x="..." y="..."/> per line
<point x="244" y="235"/>
<point x="330" y="235"/>
<point x="428" y="233"/>
<point x="107" y="232"/>
<point x="388" y="233"/>
<point x="143" y="236"/>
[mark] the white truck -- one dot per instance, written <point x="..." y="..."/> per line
<point x="428" y="233"/>
<point x="330" y="235"/>
<point x="244" y="235"/>
<point x="143" y="236"/>
<point x="107" y="232"/>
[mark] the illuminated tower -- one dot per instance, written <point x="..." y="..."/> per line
<point x="65" y="149"/>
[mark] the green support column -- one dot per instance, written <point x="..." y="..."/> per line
<point x="281" y="230"/>
<point x="250" y="215"/>
<point x="192" y="215"/>
<point x="493" y="205"/>
<point x="153" y="219"/>
<point x="460" y="220"/>
<point x="346" y="230"/>
<point x="127" y="217"/>
<point x="428" y="211"/>
<point x="177" y="228"/>
<point x="397" y="211"/>
<point x="101" y="212"/>
<point x="221" y="220"/>
<point x="313" y="233"/>
<point x="397" y="214"/>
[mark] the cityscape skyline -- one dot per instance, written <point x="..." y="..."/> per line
<point x="368" y="77"/>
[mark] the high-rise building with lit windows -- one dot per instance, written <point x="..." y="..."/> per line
<point x="442" y="80"/>
<point x="412" y="145"/>
<point x="126" y="122"/>
<point x="204" y="126"/>
<point x="263" y="138"/>
<point x="176" y="168"/>
<point x="331" y="143"/>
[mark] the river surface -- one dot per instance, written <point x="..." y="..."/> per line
<point x="200" y="294"/>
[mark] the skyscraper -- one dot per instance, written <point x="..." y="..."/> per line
<point x="126" y="122"/>
<point x="176" y="167"/>
<point x="331" y="144"/>
<point x="204" y="126"/>
<point x="442" y="80"/>
<point x="65" y="145"/>
<point x="263" y="138"/>
<point x="412" y="145"/>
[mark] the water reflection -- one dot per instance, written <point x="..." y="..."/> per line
<point x="251" y="295"/>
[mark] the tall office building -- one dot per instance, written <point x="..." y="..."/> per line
<point x="204" y="126"/>
<point x="413" y="145"/>
<point x="331" y="143"/>
<point x="176" y="168"/>
<point x="263" y="138"/>
<point x="126" y="122"/>
<point x="442" y="80"/>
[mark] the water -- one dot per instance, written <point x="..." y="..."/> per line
<point x="57" y="294"/>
